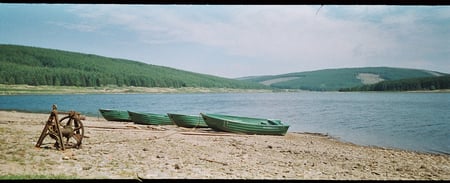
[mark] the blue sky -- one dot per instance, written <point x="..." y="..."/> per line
<point x="235" y="41"/>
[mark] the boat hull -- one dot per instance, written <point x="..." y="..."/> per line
<point x="115" y="115"/>
<point x="188" y="121"/>
<point x="245" y="125"/>
<point x="149" y="118"/>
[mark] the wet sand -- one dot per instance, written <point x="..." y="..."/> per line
<point x="130" y="151"/>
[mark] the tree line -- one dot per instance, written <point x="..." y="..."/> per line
<point x="39" y="66"/>
<point x="335" y="79"/>
<point x="414" y="84"/>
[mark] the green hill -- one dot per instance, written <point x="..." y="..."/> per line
<point x="335" y="79"/>
<point x="39" y="66"/>
<point x="413" y="84"/>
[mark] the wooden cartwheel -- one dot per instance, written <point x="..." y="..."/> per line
<point x="57" y="129"/>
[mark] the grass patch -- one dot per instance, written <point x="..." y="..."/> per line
<point x="23" y="177"/>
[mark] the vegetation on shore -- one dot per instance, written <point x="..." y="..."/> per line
<point x="414" y="84"/>
<point x="38" y="66"/>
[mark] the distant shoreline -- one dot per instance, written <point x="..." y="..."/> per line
<point x="411" y="91"/>
<point x="111" y="89"/>
<point x="430" y="91"/>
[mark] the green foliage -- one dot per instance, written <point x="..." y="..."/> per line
<point x="335" y="79"/>
<point x="414" y="84"/>
<point x="39" y="66"/>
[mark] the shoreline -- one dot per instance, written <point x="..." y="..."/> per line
<point x="111" y="89"/>
<point x="294" y="132"/>
<point x="130" y="151"/>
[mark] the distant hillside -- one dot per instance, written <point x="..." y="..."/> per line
<point x="39" y="66"/>
<point x="414" y="84"/>
<point x="335" y="79"/>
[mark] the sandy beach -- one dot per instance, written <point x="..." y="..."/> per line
<point x="115" y="150"/>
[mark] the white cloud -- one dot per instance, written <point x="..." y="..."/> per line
<point x="295" y="38"/>
<point x="75" y="26"/>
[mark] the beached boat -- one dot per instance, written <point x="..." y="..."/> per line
<point x="237" y="124"/>
<point x="115" y="115"/>
<point x="187" y="121"/>
<point x="149" y="118"/>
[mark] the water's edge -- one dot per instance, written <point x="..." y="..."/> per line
<point x="410" y="121"/>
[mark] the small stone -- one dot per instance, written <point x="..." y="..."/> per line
<point x="65" y="158"/>
<point x="87" y="168"/>
<point x="269" y="146"/>
<point x="145" y="149"/>
<point x="177" y="166"/>
<point x="159" y="156"/>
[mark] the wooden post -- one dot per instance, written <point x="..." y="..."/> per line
<point x="52" y="121"/>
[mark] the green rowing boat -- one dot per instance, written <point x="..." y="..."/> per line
<point x="150" y="118"/>
<point x="187" y="121"/>
<point x="115" y="115"/>
<point x="245" y="125"/>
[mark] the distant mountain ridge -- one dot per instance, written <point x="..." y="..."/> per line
<point x="41" y="66"/>
<point x="336" y="79"/>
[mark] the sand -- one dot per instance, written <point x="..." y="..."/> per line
<point x="121" y="150"/>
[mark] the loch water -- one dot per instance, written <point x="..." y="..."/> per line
<point x="402" y="120"/>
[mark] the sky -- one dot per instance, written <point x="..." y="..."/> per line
<point x="239" y="40"/>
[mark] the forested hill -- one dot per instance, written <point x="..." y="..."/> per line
<point x="414" y="84"/>
<point x="39" y="66"/>
<point x="335" y="79"/>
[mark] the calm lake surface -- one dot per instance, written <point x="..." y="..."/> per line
<point x="411" y="121"/>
